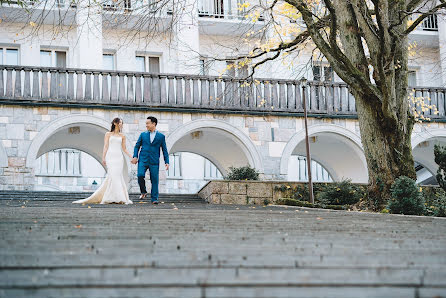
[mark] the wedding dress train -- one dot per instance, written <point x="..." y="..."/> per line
<point x="114" y="187"/>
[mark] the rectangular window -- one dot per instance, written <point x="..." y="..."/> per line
<point x="46" y="59"/>
<point x="174" y="166"/>
<point x="231" y="69"/>
<point x="150" y="63"/>
<point x="140" y="63"/>
<point x="12" y="57"/>
<point x="108" y="61"/>
<point x="243" y="71"/>
<point x="61" y="59"/>
<point x="323" y="73"/>
<point x="316" y="73"/>
<point x="1" y="55"/>
<point x="328" y="74"/>
<point x="53" y="58"/>
<point x="412" y="78"/>
<point x="154" y="64"/>
<point x="211" y="171"/>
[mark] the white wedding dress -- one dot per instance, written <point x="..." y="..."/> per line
<point x="114" y="187"/>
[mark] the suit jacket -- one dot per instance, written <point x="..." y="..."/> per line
<point x="150" y="152"/>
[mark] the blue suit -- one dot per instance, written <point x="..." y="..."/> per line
<point x="149" y="158"/>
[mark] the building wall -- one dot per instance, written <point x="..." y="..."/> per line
<point x="265" y="143"/>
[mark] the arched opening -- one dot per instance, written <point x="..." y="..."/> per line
<point x="189" y="172"/>
<point x="337" y="150"/>
<point x="423" y="154"/>
<point x="78" y="132"/>
<point x="68" y="169"/>
<point x="222" y="144"/>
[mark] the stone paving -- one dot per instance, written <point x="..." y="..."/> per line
<point x="180" y="249"/>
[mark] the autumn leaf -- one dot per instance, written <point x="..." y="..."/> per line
<point x="78" y="226"/>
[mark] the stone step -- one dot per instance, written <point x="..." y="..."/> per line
<point x="228" y="292"/>
<point x="63" y="196"/>
<point x="129" y="277"/>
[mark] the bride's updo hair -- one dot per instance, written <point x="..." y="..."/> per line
<point x="115" y="122"/>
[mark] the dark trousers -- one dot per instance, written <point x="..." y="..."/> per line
<point x="154" y="179"/>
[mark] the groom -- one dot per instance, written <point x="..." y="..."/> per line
<point x="150" y="143"/>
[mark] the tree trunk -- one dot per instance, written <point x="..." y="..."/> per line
<point x="387" y="149"/>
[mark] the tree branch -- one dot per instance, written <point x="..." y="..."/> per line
<point x="423" y="16"/>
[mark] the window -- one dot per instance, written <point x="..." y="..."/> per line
<point x="235" y="71"/>
<point x="53" y="58"/>
<point x="412" y="78"/>
<point x="9" y="56"/>
<point x="205" y="66"/>
<point x="174" y="166"/>
<point x="45" y="59"/>
<point x="211" y="171"/>
<point x="108" y="61"/>
<point x="323" y="73"/>
<point x="140" y="63"/>
<point x="151" y="63"/>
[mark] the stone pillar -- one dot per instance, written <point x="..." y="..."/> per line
<point x="187" y="38"/>
<point x="442" y="43"/>
<point x="88" y="50"/>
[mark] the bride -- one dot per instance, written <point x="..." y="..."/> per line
<point x="114" y="188"/>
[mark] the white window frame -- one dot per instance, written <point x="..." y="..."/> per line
<point x="53" y="54"/>
<point x="113" y="54"/>
<point x="416" y="70"/>
<point x="322" y="66"/>
<point x="174" y="165"/>
<point x="212" y="166"/>
<point x="4" y="48"/>
<point x="147" y="56"/>
<point x="236" y="72"/>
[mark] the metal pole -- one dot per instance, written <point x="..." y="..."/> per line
<point x="307" y="143"/>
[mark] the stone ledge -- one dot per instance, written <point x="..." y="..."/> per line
<point x="244" y="192"/>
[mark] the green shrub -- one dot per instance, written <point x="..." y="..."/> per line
<point x="406" y="197"/>
<point x="435" y="199"/>
<point x="440" y="159"/>
<point x="242" y="173"/>
<point x="339" y="193"/>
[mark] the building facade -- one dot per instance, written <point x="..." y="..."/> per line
<point x="64" y="79"/>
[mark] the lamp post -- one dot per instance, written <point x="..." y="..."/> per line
<point x="303" y="82"/>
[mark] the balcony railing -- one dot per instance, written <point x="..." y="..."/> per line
<point x="172" y="91"/>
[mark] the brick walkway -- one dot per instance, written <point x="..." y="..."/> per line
<point x="58" y="249"/>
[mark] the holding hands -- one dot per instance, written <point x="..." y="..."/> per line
<point x="134" y="161"/>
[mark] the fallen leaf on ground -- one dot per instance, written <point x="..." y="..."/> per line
<point x="320" y="218"/>
<point x="78" y="227"/>
<point x="89" y="206"/>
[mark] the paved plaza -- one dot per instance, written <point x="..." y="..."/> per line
<point x="181" y="248"/>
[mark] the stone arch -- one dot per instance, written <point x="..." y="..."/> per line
<point x="55" y="135"/>
<point x="349" y="163"/>
<point x="423" y="147"/>
<point x="211" y="139"/>
<point x="3" y="157"/>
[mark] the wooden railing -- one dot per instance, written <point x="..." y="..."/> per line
<point x="136" y="89"/>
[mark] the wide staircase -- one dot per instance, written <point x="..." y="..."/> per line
<point x="64" y="196"/>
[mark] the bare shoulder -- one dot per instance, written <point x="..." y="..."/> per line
<point x="108" y="133"/>
<point x="122" y="135"/>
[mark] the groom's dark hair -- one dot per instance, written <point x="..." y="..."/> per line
<point x="153" y="120"/>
